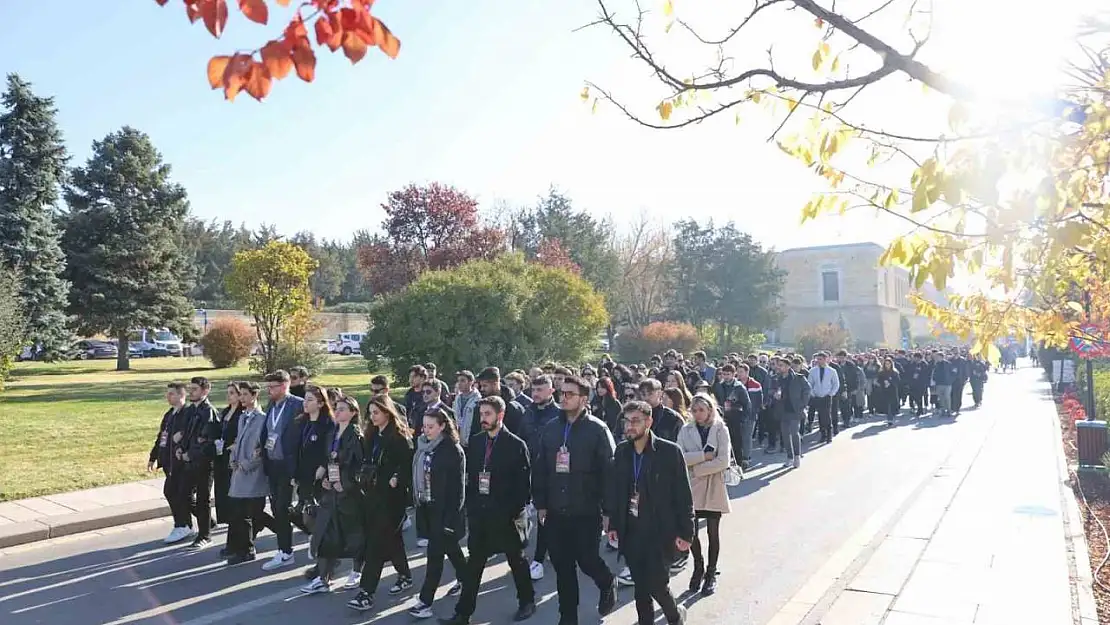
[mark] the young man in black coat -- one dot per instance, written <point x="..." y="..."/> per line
<point x="163" y="456"/>
<point x="490" y="385"/>
<point x="498" y="476"/>
<point x="198" y="451"/>
<point x="651" y="511"/>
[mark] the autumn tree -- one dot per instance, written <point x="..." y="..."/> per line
<point x="121" y="241"/>
<point x="1011" y="196"/>
<point x="822" y="337"/>
<point x="271" y="283"/>
<point x="32" y="168"/>
<point x="645" y="256"/>
<point x="551" y="253"/>
<point x="426" y="228"/>
<point x="509" y="312"/>
<point x="335" y="24"/>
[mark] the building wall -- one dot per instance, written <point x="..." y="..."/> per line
<point x="331" y="324"/>
<point x="871" y="299"/>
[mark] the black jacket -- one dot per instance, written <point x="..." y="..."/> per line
<point x="162" y="454"/>
<point x="579" y="492"/>
<point x="666" y="507"/>
<point x="917" y="375"/>
<point x="316" y="436"/>
<point x="497" y="520"/>
<point x="201" y="432"/>
<point x="448" y="488"/>
<point x="665" y="423"/>
<point x="962" y="370"/>
<point x="535" y="418"/>
<point x="339" y="526"/>
<point x="943" y="373"/>
<point x="414" y="407"/>
<point x="608" y="409"/>
<point x="387" y="454"/>
<point x="737" y="404"/>
<point x="851" y="377"/>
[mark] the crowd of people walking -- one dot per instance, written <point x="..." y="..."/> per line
<point x="528" y="459"/>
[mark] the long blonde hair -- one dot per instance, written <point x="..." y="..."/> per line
<point x="710" y="402"/>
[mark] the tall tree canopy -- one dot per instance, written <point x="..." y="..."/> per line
<point x="1011" y="194"/>
<point x="121" y="241"/>
<point x="426" y="228"/>
<point x="32" y="168"/>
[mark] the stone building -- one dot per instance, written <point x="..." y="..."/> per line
<point x="845" y="285"/>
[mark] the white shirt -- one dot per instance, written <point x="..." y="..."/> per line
<point x="827" y="387"/>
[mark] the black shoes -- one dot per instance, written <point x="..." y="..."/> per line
<point x="710" y="585"/>
<point x="608" y="599"/>
<point x="696" y="578"/>
<point x="456" y="619"/>
<point x="525" y="612"/>
<point x="240" y="558"/>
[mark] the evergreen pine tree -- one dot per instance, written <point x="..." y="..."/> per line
<point x="32" y="167"/>
<point x="126" y="220"/>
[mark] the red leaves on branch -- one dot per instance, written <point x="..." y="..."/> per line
<point x="345" y="24"/>
<point x="551" y="253"/>
<point x="426" y="228"/>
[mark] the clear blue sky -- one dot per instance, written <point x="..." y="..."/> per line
<point x="484" y="96"/>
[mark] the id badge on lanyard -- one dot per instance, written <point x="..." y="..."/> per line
<point x="562" y="457"/>
<point x="634" y="503"/>
<point x="483" y="482"/>
<point x="219" y="446"/>
<point x="333" y="472"/>
<point x="271" y="442"/>
<point x="164" y="439"/>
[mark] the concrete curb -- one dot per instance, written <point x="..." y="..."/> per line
<point x="1083" y="595"/>
<point x="55" y="526"/>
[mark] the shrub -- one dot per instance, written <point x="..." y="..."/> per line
<point x="826" y="336"/>
<point x="506" y="312"/>
<point x="13" y="323"/>
<point x="228" y="341"/>
<point x="655" y="338"/>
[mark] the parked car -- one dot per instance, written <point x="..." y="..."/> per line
<point x="133" y="350"/>
<point x="160" y="342"/>
<point x="349" y="343"/>
<point x="92" y="349"/>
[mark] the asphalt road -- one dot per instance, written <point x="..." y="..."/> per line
<point x="784" y="526"/>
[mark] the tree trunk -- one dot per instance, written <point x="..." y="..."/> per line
<point x="123" y="355"/>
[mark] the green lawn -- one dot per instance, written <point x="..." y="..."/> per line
<point x="73" y="425"/>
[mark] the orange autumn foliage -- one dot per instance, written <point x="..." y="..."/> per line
<point x="345" y="24"/>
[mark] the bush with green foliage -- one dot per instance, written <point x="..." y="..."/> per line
<point x="638" y="346"/>
<point x="228" y="342"/>
<point x="348" y="307"/>
<point x="288" y="354"/>
<point x="506" y="312"/>
<point x="822" y="337"/>
<point x="13" y="323"/>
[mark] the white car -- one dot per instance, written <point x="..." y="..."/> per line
<point x="348" y="343"/>
<point x="160" y="342"/>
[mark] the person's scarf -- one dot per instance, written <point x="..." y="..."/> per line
<point x="421" y="483"/>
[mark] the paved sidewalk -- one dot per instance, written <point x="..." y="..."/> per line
<point x="39" y="518"/>
<point x="987" y="540"/>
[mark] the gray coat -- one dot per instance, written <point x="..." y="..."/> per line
<point x="798" y="387"/>
<point x="248" y="480"/>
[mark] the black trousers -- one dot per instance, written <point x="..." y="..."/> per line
<point x="221" y="479"/>
<point x="574" y="542"/>
<point x="823" y="407"/>
<point x="177" y="496"/>
<point x="770" y="425"/>
<point x="200" y="488"/>
<point x="917" y="398"/>
<point x="540" y="554"/>
<point x="281" y="497"/>
<point x="844" y="405"/>
<point x="438" y="547"/>
<point x="977" y="392"/>
<point x="957" y="395"/>
<point x="649" y="565"/>
<point x="482" y="540"/>
<point x="382" y="547"/>
<point x="248" y="517"/>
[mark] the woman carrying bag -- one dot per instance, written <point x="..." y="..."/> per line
<point x="438" y="483"/>
<point x="707" y="449"/>
<point x="339" y="526"/>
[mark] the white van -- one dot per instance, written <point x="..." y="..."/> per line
<point x="348" y="343"/>
<point x="160" y="342"/>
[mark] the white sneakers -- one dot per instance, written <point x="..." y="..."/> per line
<point x="625" y="578"/>
<point x="535" y="571"/>
<point x="314" y="587"/>
<point x="178" y="534"/>
<point x="279" y="560"/>
<point x="353" y="580"/>
<point x="422" y="542"/>
<point x="407" y="523"/>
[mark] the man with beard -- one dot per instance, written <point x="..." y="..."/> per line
<point x="489" y="385"/>
<point x="651" y="511"/>
<point x="497" y="483"/>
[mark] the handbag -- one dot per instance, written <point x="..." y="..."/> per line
<point x="733" y="474"/>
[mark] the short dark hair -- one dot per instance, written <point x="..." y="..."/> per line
<point x="432" y="384"/>
<point x="517" y="377"/>
<point x="281" y="375"/>
<point x="201" y="381"/>
<point x="563" y="371"/>
<point x="380" y="380"/>
<point x="797" y="360"/>
<point x="299" y="371"/>
<point x="636" y="405"/>
<point x="743" y="367"/>
<point x="248" y="386"/>
<point x="698" y="354"/>
<point x="841" y="353"/>
<point x="494" y="402"/>
<point x="489" y="373"/>
<point x="176" y="386"/>
<point x="418" y="370"/>
<point x="583" y="386"/>
<point x="465" y="373"/>
<point x="729" y="368"/>
<point x="543" y="380"/>
<point x="431" y="366"/>
<point x="650" y="385"/>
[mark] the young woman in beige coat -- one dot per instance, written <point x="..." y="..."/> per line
<point x="706" y="446"/>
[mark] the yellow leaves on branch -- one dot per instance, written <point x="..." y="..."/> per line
<point x="346" y="24"/>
